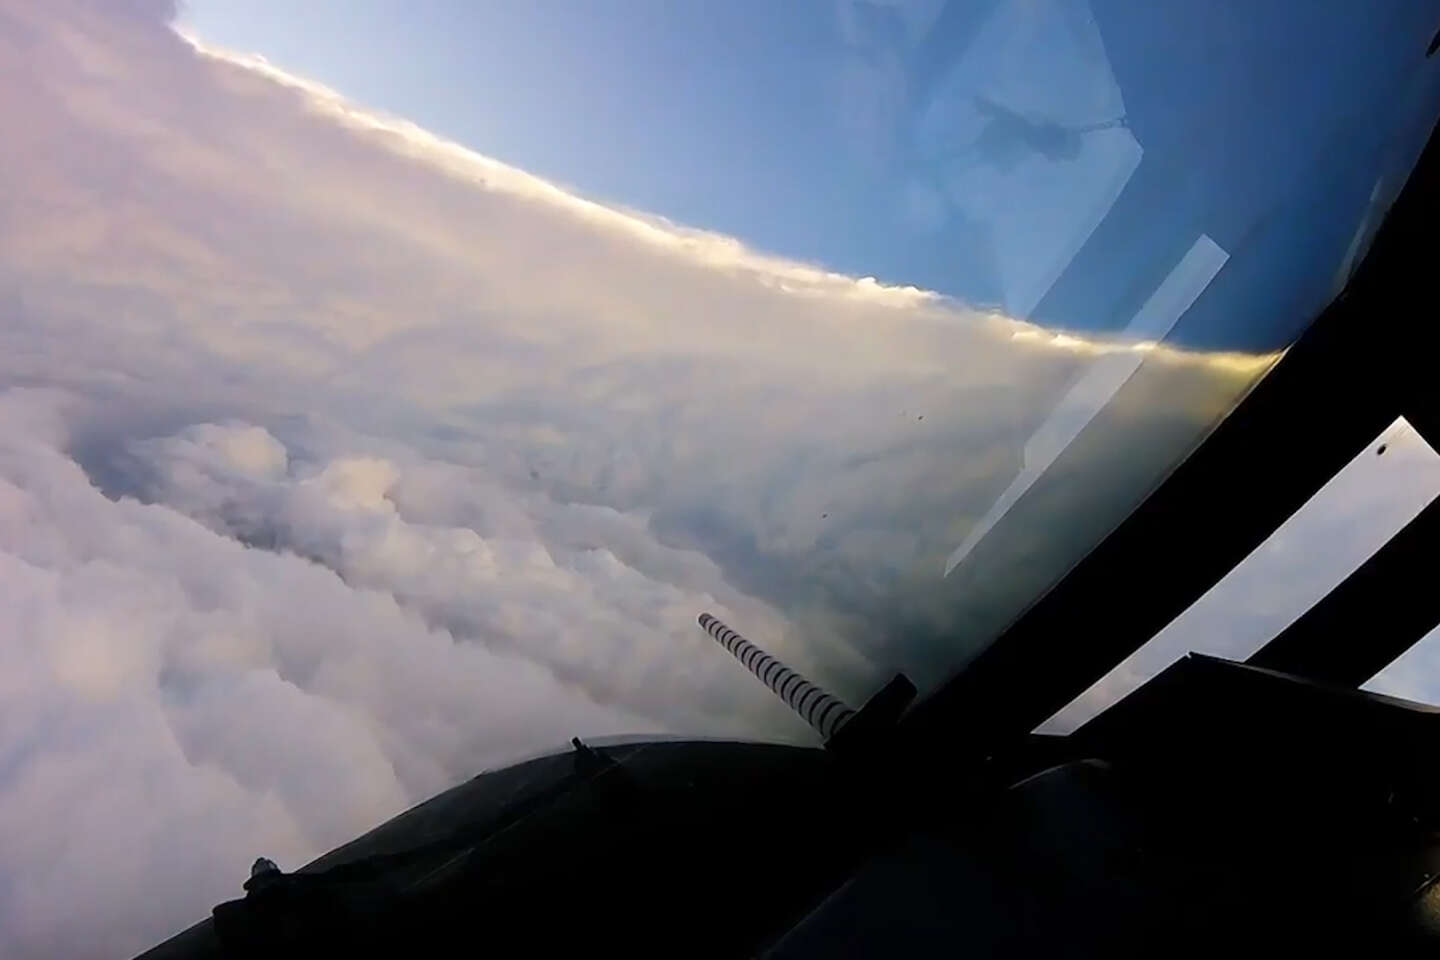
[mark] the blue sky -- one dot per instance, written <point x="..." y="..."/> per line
<point x="847" y="132"/>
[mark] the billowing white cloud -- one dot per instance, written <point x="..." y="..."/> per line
<point x="583" y="590"/>
<point x="338" y="462"/>
<point x="185" y="700"/>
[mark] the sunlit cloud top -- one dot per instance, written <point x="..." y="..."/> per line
<point x="700" y="246"/>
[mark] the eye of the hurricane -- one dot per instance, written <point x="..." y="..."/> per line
<point x="448" y="448"/>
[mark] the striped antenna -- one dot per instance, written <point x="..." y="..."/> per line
<point x="816" y="707"/>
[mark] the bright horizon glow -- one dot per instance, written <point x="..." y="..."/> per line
<point x="699" y="246"/>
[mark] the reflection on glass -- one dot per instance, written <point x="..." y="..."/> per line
<point x="1023" y="137"/>
<point x="1099" y="384"/>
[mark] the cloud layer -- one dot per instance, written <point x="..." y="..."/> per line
<point x="338" y="462"/>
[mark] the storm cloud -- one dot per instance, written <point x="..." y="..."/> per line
<point x="338" y="463"/>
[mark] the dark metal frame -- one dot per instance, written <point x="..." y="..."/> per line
<point x="1372" y="617"/>
<point x="1369" y="358"/>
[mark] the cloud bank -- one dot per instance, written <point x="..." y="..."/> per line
<point x="338" y="462"/>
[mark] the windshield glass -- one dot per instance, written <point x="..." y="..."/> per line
<point x="972" y="277"/>
<point x="386" y="388"/>
<point x="860" y="323"/>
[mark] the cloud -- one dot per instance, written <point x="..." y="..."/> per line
<point x="514" y="573"/>
<point x="163" y="679"/>
<point x="149" y="12"/>
<point x="339" y="462"/>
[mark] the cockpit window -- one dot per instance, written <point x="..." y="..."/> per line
<point x="386" y="388"/>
